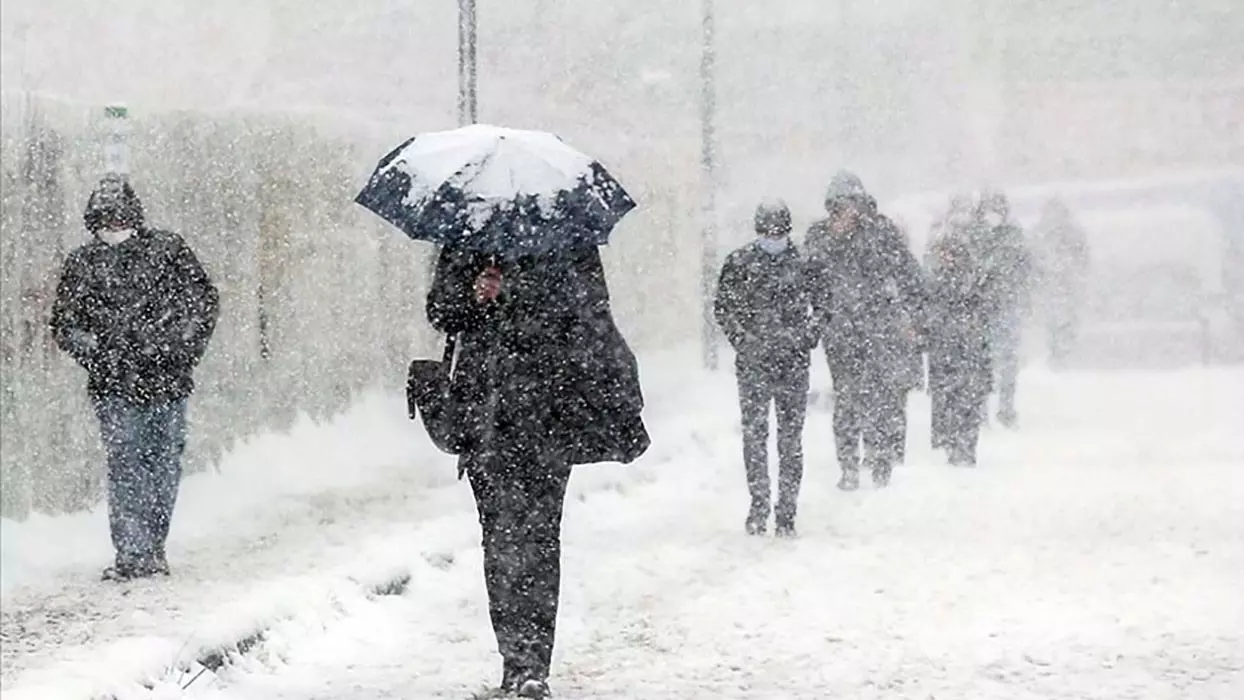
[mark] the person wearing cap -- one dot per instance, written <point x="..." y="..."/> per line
<point x="136" y="310"/>
<point x="762" y="306"/>
<point x="867" y="292"/>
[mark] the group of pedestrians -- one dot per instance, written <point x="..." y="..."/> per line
<point x="543" y="380"/>
<point x="888" y="325"/>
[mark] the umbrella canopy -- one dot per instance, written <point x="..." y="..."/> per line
<point x="496" y="190"/>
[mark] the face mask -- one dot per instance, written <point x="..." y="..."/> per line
<point x="773" y="246"/>
<point x="116" y="237"/>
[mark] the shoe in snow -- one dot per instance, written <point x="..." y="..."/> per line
<point x="850" y="481"/>
<point x="785" y="531"/>
<point x="757" y="519"/>
<point x="755" y="526"/>
<point x="962" y="458"/>
<point x="533" y="689"/>
<point x="159" y="564"/>
<point x="125" y="571"/>
<point x="881" y="476"/>
<point x="1008" y="419"/>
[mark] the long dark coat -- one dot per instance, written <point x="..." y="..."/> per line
<point x="960" y="312"/>
<point x="544" y="368"/>
<point x="867" y="290"/>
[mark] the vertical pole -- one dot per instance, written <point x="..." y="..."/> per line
<point x="708" y="165"/>
<point x="468" y="108"/>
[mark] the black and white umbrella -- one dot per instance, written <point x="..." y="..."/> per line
<point x="496" y="190"/>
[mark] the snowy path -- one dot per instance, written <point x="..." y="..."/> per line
<point x="1097" y="554"/>
<point x="287" y="515"/>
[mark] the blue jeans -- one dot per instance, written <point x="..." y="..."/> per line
<point x="144" y="445"/>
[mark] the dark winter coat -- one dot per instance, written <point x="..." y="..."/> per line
<point x="542" y="369"/>
<point x="1009" y="271"/>
<point x="137" y="316"/>
<point x="763" y="306"/>
<point x="959" y="313"/>
<point x="867" y="292"/>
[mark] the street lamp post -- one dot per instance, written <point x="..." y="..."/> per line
<point x="467" y="74"/>
<point x="708" y="166"/>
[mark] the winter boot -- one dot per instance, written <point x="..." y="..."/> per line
<point x="119" y="573"/>
<point x="850" y="480"/>
<point x="1007" y="418"/>
<point x="127" y="569"/>
<point x="881" y="475"/>
<point x="756" y="525"/>
<point x="757" y="519"/>
<point x="961" y="456"/>
<point x="533" y="689"/>
<point x="785" y="530"/>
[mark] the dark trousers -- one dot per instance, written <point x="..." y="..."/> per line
<point x="958" y="403"/>
<point x="868" y="412"/>
<point x="144" y="446"/>
<point x="1005" y="344"/>
<point x="1061" y="330"/>
<point x="783" y="385"/>
<point x="519" y="499"/>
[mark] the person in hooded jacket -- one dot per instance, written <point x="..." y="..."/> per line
<point x="1008" y="268"/>
<point x="867" y="288"/>
<point x="543" y="381"/>
<point x="960" y="361"/>
<point x="136" y="309"/>
<point x="762" y="306"/>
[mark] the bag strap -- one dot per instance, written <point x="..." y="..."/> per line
<point x="451" y="347"/>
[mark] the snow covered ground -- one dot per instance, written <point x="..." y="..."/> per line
<point x="1097" y="553"/>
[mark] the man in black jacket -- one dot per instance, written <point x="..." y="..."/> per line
<point x="867" y="289"/>
<point x="763" y="308"/>
<point x="960" y="362"/>
<point x="543" y="381"/>
<point x="135" y="308"/>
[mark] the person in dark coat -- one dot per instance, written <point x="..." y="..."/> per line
<point x="1008" y="268"/>
<point x="136" y="309"/>
<point x="960" y="368"/>
<point x="866" y="286"/>
<point x="543" y="381"/>
<point x="762" y="306"/>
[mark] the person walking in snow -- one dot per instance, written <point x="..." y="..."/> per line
<point x="1063" y="264"/>
<point x="543" y="381"/>
<point x="136" y="309"/>
<point x="1008" y="269"/>
<point x="960" y="367"/>
<point x="762" y="306"/>
<point x="866" y="285"/>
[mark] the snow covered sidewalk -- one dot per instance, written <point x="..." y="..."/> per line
<point x="1096" y="554"/>
<point x="284" y="518"/>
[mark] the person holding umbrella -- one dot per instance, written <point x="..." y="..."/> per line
<point x="543" y="379"/>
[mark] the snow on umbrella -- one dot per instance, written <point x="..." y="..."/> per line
<point x="496" y="190"/>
